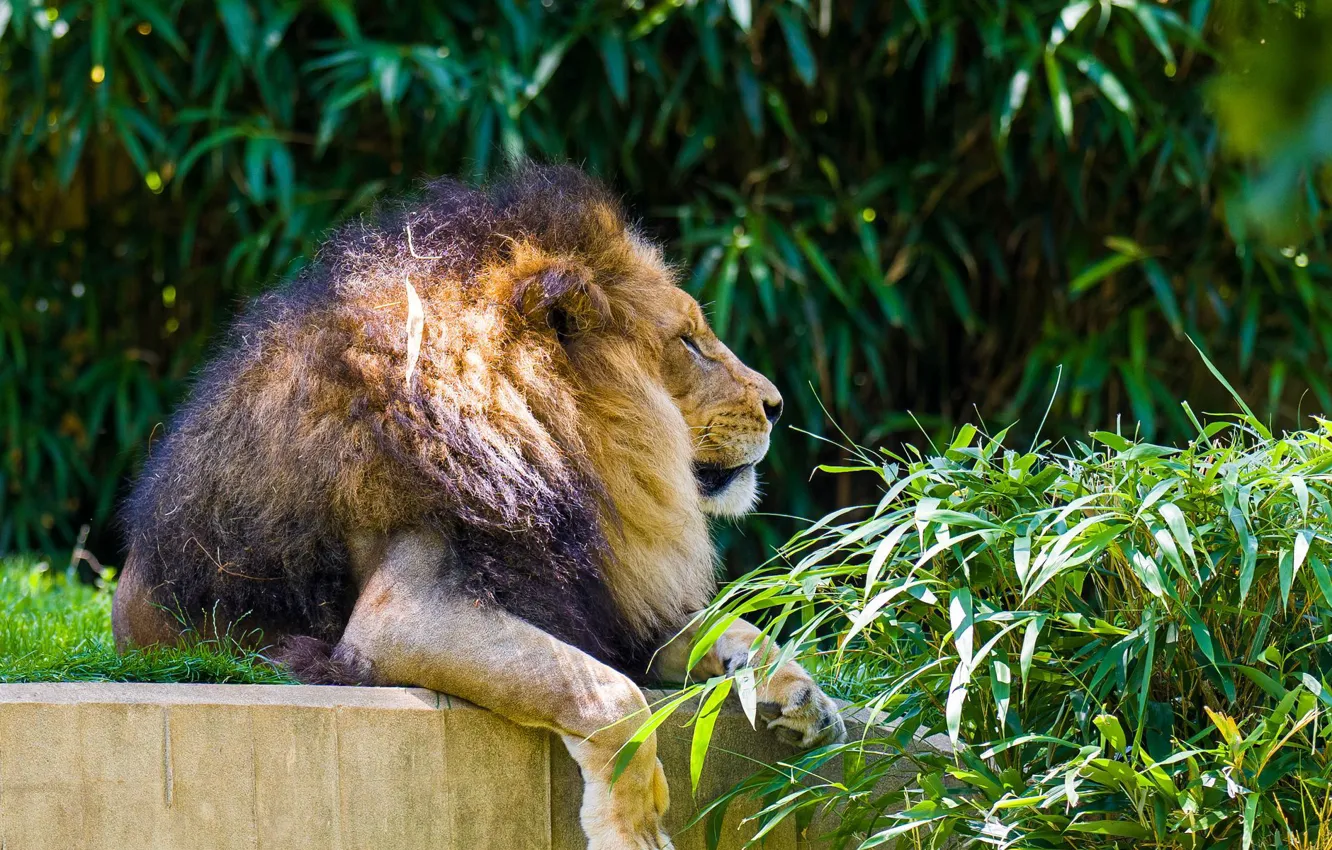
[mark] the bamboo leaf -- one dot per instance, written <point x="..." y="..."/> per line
<point x="961" y="618"/>
<point x="1146" y="16"/>
<point x="1324" y="580"/>
<point x="1112" y="730"/>
<point x="646" y="730"/>
<point x="238" y="22"/>
<point x="1104" y="80"/>
<point x="1248" y="546"/>
<point x="616" y="63"/>
<point x="1202" y="636"/>
<point x="1069" y="18"/>
<point x="1099" y="271"/>
<point x="796" y="42"/>
<point x="1017" y="95"/>
<point x="703" y="728"/>
<point x="209" y="143"/>
<point x="1029" y="639"/>
<point x="1060" y="99"/>
<point x="748" y="692"/>
<point x="742" y="13"/>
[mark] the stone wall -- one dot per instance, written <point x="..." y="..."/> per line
<point x="215" y="767"/>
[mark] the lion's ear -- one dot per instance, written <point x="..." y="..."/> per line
<point x="564" y="298"/>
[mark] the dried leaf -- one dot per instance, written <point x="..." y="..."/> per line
<point x="415" y="328"/>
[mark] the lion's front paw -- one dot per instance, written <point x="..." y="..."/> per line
<point x="626" y="815"/>
<point x="799" y="712"/>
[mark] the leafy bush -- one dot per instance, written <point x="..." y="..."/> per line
<point x="1274" y="102"/>
<point x="1126" y="643"/>
<point x="885" y="202"/>
<point x="54" y="628"/>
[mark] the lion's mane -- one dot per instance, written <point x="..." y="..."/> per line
<point x="306" y="428"/>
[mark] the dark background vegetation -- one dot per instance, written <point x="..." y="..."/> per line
<point x="952" y="209"/>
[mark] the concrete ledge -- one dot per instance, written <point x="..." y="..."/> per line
<point x="214" y="767"/>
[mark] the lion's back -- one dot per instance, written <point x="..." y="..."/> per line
<point x="233" y="513"/>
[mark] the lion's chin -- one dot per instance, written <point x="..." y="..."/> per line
<point x="728" y="492"/>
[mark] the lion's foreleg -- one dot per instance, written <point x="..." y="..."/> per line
<point x="411" y="629"/>
<point x="789" y="699"/>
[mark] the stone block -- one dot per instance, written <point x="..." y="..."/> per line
<point x="41" y="778"/>
<point x="217" y="767"/>
<point x="296" y="778"/>
<point x="124" y="774"/>
<point x="210" y="757"/>
<point x="391" y="779"/>
<point x="499" y="792"/>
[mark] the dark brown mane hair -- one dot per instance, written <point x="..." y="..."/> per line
<point x="306" y="427"/>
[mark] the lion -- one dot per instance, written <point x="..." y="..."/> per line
<point x="474" y="447"/>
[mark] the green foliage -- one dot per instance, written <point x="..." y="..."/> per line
<point x="1124" y="644"/>
<point x="1274" y="101"/>
<point x="884" y="204"/>
<point x="54" y="628"/>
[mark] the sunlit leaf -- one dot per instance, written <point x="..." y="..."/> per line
<point x="703" y="728"/>
<point x="1060" y="99"/>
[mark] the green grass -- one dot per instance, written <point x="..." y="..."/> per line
<point x="54" y="629"/>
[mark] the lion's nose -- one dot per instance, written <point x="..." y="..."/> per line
<point x="772" y="408"/>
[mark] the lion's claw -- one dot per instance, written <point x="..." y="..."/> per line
<point x="804" y="716"/>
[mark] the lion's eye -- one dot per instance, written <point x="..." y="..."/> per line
<point x="690" y="344"/>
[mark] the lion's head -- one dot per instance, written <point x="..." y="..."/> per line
<point x="620" y="314"/>
<point x="673" y="423"/>
<point x="730" y="408"/>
